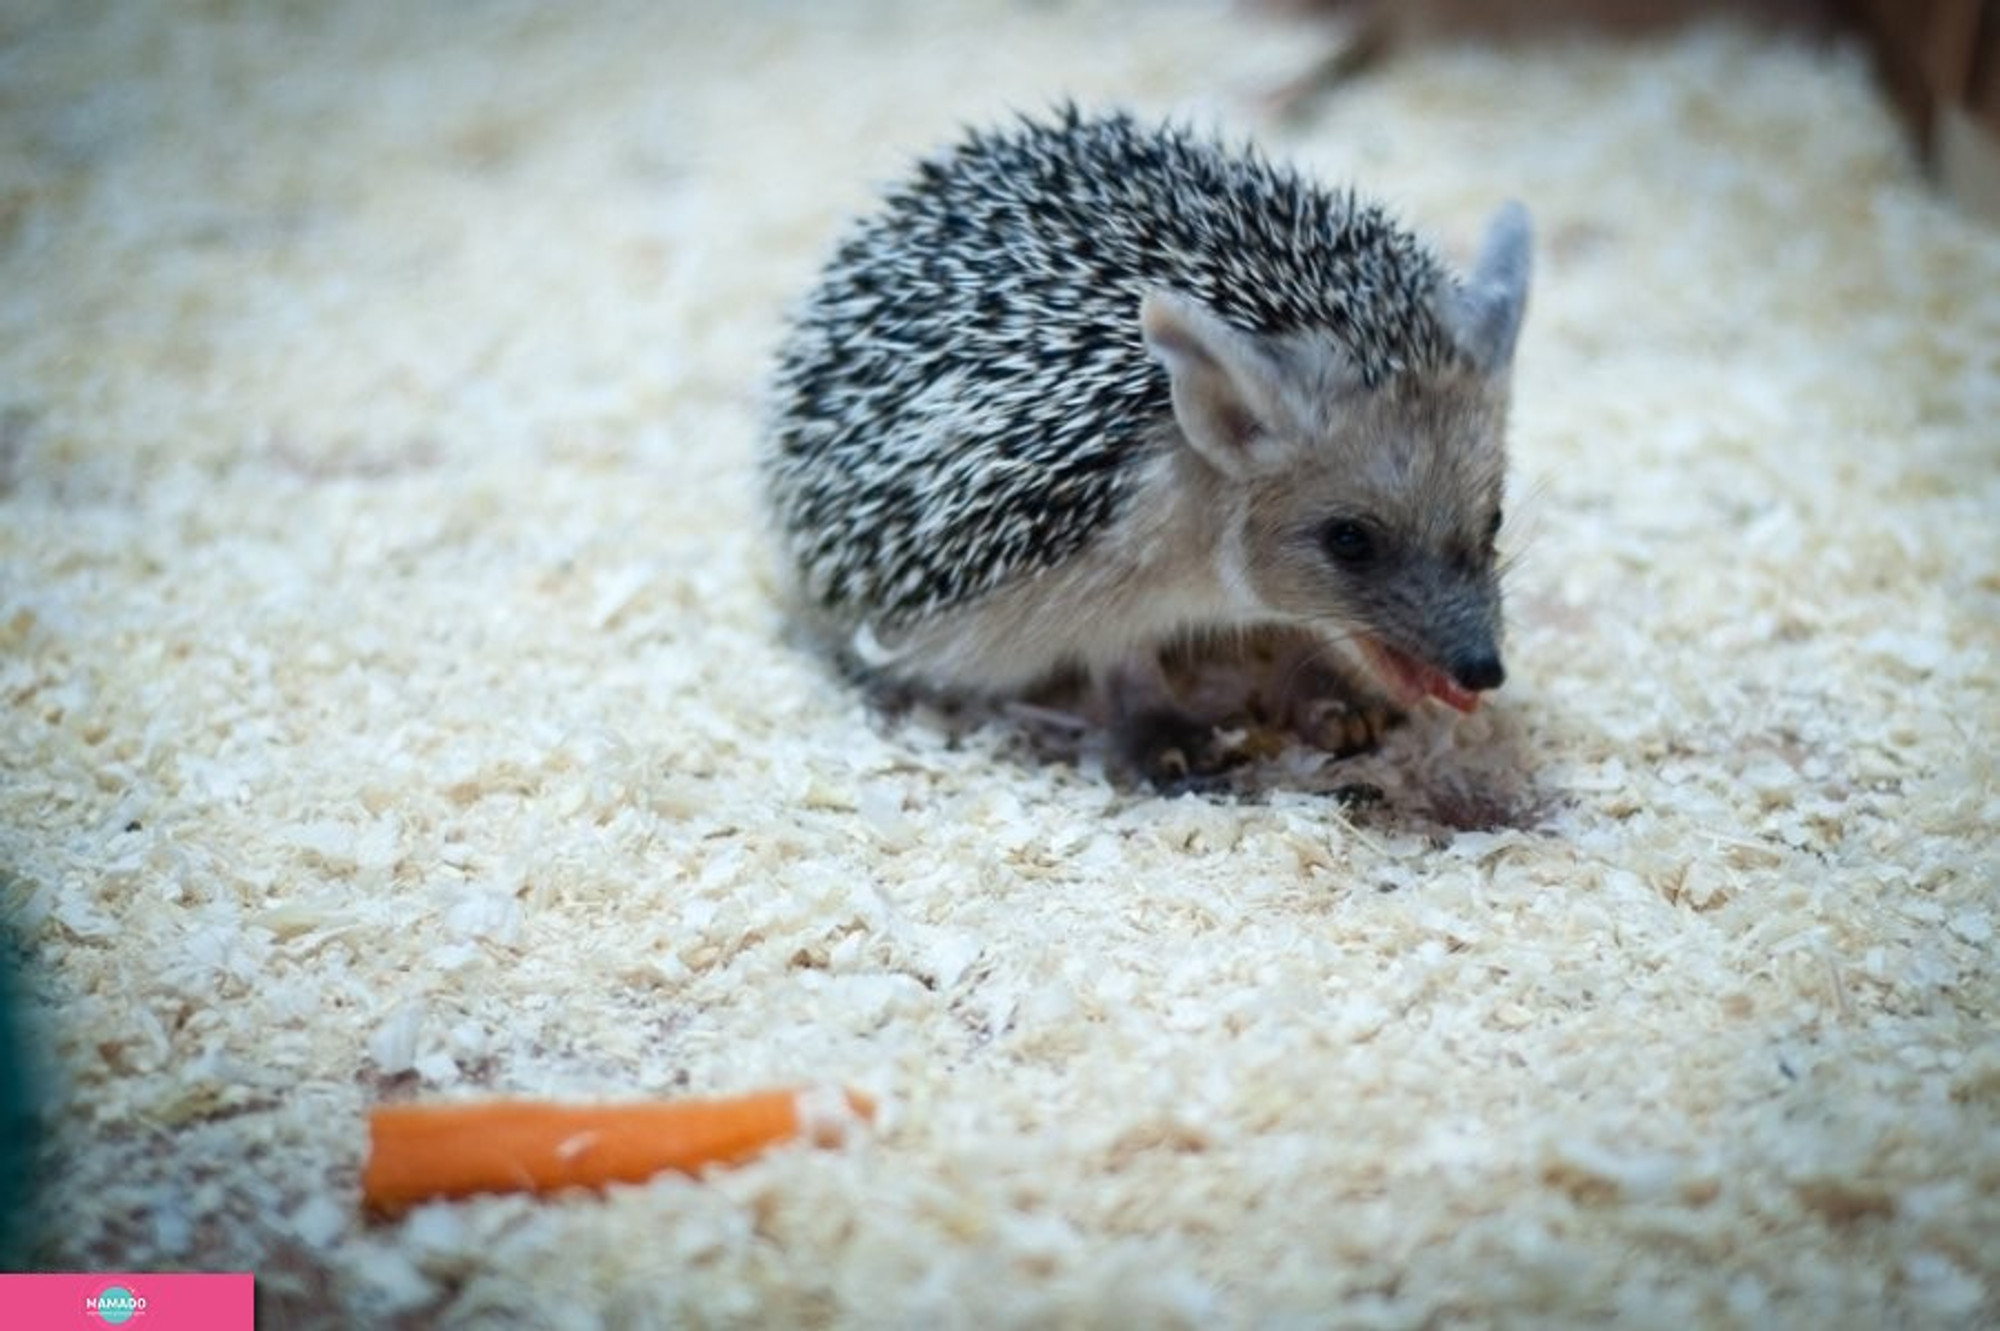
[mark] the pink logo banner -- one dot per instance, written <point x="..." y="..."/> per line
<point x="65" y="1301"/>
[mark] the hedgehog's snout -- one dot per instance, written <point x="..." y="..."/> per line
<point x="1478" y="670"/>
<point x="1453" y="624"/>
<point x="1466" y="634"/>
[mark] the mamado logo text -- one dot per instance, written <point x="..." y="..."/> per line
<point x="114" y="1305"/>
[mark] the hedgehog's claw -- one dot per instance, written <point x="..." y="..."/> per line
<point x="1177" y="752"/>
<point x="1321" y="702"/>
<point x="1343" y="728"/>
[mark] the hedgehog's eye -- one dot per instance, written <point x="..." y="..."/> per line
<point x="1493" y="525"/>
<point x="1348" y="542"/>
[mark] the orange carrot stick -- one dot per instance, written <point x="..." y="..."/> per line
<point x="417" y="1152"/>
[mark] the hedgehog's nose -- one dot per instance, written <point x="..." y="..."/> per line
<point x="1479" y="673"/>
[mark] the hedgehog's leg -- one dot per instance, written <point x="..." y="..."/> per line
<point x="1173" y="747"/>
<point x="1308" y="691"/>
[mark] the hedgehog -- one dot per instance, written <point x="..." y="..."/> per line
<point x="1084" y="391"/>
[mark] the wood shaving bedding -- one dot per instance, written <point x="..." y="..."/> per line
<point x="394" y="704"/>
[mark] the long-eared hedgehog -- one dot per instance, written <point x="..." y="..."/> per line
<point x="1084" y="389"/>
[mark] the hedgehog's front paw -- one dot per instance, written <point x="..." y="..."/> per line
<point x="1319" y="700"/>
<point x="1176" y="751"/>
<point x="1343" y="728"/>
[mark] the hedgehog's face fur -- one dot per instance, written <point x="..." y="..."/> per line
<point x="1379" y="532"/>
<point x="1368" y="514"/>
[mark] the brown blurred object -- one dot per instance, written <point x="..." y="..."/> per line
<point x="1941" y="62"/>
<point x="1521" y="19"/>
<point x="1939" y="59"/>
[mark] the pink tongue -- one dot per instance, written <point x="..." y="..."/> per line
<point x="1439" y="686"/>
<point x="1425" y="681"/>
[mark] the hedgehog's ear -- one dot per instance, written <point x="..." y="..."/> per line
<point x="1226" y="382"/>
<point x="1484" y="311"/>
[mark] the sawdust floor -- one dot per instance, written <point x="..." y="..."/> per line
<point x="393" y="704"/>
